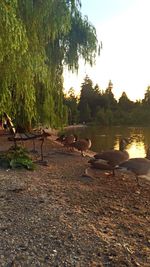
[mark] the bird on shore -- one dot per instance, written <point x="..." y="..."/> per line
<point x="108" y="160"/>
<point x="139" y="166"/>
<point x="69" y="140"/>
<point x="82" y="145"/>
<point x="61" y="138"/>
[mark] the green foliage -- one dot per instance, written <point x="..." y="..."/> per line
<point x="108" y="96"/>
<point x="85" y="115"/>
<point x="16" y="157"/>
<point x="71" y="102"/>
<point x="21" y="163"/>
<point x="100" y="117"/>
<point x="104" y="117"/>
<point x="86" y="100"/>
<point x="81" y="41"/>
<point x="125" y="103"/>
<point x="146" y="100"/>
<point x="37" y="39"/>
<point x="100" y="106"/>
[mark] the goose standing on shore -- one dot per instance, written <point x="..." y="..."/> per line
<point x="109" y="160"/>
<point x="139" y="166"/>
<point x="68" y="140"/>
<point x="82" y="145"/>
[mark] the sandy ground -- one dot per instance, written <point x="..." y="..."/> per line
<point x="54" y="216"/>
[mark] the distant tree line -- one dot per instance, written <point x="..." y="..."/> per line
<point x="98" y="106"/>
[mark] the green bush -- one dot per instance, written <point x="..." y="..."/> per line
<point x="16" y="157"/>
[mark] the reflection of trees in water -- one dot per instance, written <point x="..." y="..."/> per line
<point x="104" y="138"/>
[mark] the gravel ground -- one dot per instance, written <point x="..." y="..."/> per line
<point x="53" y="216"/>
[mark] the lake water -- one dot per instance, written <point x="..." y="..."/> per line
<point x="104" y="138"/>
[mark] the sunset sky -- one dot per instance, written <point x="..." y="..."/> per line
<point x="123" y="26"/>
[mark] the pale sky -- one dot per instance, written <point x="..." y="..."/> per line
<point x="123" y="26"/>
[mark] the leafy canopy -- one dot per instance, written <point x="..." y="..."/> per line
<point x="39" y="37"/>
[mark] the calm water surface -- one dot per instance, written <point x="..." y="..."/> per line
<point x="104" y="138"/>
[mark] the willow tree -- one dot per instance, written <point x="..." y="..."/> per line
<point x="38" y="38"/>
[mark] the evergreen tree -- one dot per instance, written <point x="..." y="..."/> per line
<point x="146" y="100"/>
<point x="85" y="99"/>
<point x="110" y="101"/>
<point x="125" y="103"/>
<point x="71" y="102"/>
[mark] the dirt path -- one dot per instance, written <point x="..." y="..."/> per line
<point x="54" y="216"/>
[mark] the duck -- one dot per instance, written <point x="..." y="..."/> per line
<point x="82" y="145"/>
<point x="108" y="160"/>
<point x="138" y="166"/>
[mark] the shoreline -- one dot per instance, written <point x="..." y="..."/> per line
<point x="53" y="216"/>
<point x="75" y="126"/>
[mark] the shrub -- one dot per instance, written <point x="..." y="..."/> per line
<point x="16" y="157"/>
